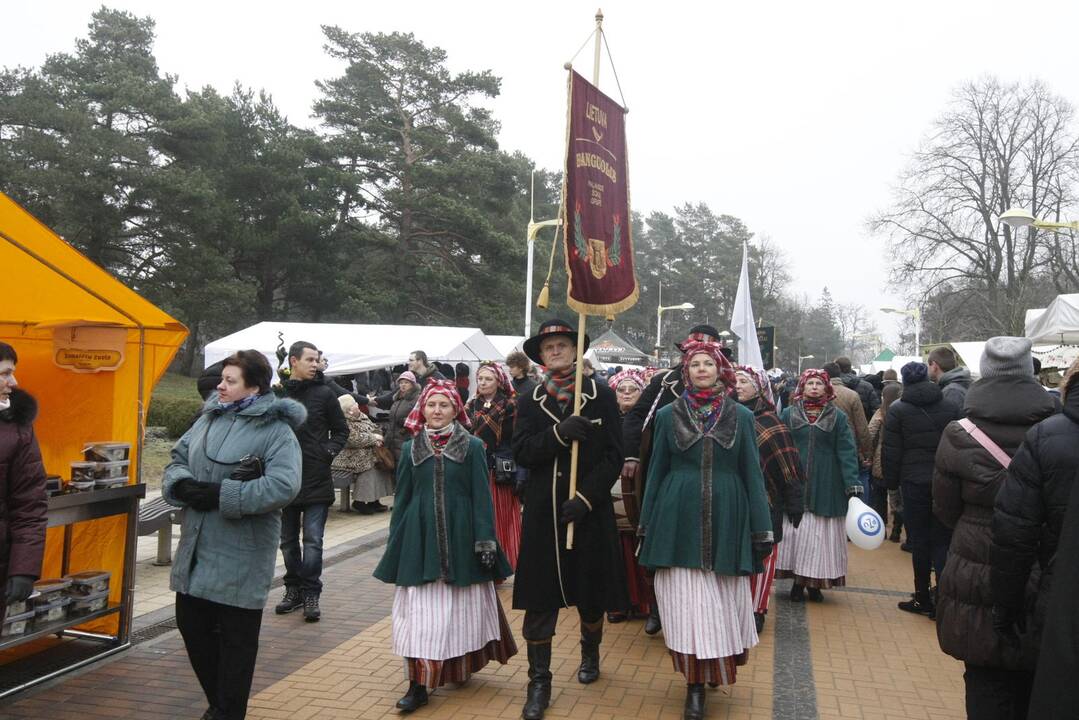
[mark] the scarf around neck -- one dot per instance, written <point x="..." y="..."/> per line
<point x="561" y="387"/>
<point x="439" y="438"/>
<point x="240" y="405"/>
<point x="705" y="404"/>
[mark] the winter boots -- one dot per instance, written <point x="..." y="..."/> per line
<point x="897" y="526"/>
<point x="414" y="699"/>
<point x="311" y="611"/>
<point x="694" y="709"/>
<point x="539" y="681"/>
<point x="591" y="636"/>
<point x="293" y="600"/>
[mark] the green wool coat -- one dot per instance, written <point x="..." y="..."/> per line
<point x="705" y="502"/>
<point x="829" y="457"/>
<point x="442" y="516"/>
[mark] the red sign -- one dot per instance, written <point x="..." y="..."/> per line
<point x="599" y="246"/>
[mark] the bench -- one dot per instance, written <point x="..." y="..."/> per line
<point x="158" y="516"/>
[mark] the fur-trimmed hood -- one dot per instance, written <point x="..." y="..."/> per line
<point x="268" y="408"/>
<point x="23" y="410"/>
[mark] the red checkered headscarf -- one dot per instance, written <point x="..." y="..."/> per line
<point x="712" y="350"/>
<point x="829" y="391"/>
<point x="759" y="380"/>
<point x="415" y="420"/>
<point x="505" y="383"/>
<point x="634" y="376"/>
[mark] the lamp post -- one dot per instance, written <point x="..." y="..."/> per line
<point x="915" y="313"/>
<point x="800" y="359"/>
<point x="1017" y="218"/>
<point x="659" y="318"/>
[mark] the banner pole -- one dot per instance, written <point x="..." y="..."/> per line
<point x="581" y="320"/>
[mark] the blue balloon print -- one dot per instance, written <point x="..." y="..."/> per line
<point x="869" y="523"/>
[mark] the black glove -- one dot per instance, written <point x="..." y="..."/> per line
<point x="1006" y="620"/>
<point x="204" y="496"/>
<point x="487" y="559"/>
<point x="573" y="510"/>
<point x="250" y="468"/>
<point x="761" y="550"/>
<point x="853" y="490"/>
<point x="574" y="427"/>
<point x="182" y="489"/>
<point x="519" y="484"/>
<point x="795" y="518"/>
<point x="18" y="588"/>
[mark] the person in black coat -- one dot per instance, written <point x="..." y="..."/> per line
<point x="866" y="393"/>
<point x="321" y="437"/>
<point x="912" y="432"/>
<point x="550" y="577"/>
<point x="1028" y="518"/>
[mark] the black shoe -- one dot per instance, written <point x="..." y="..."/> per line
<point x="212" y="714"/>
<point x="897" y="527"/>
<point x="359" y="506"/>
<point x="292" y="600"/>
<point x="905" y="547"/>
<point x="652" y="625"/>
<point x="588" y="672"/>
<point x="615" y="618"/>
<point x="377" y="507"/>
<point x="539" y="681"/>
<point x="920" y="604"/>
<point x="797" y="593"/>
<point x="311" y="611"/>
<point x="414" y="699"/>
<point x="758" y="618"/>
<point x="694" y="709"/>
<point x="815" y="594"/>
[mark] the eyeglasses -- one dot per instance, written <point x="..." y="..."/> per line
<point x="622" y="390"/>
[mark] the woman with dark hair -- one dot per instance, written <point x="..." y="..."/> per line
<point x="706" y="525"/>
<point x="233" y="471"/>
<point x="400" y="404"/>
<point x="815" y="552"/>
<point x="492" y="413"/>
<point x="880" y="495"/>
<point x="442" y="554"/>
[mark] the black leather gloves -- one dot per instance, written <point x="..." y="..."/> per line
<point x="573" y="510"/>
<point x="18" y="588"/>
<point x="574" y="427"/>
<point x="250" y="468"/>
<point x="795" y="518"/>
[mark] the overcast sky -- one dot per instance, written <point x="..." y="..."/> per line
<point x="794" y="116"/>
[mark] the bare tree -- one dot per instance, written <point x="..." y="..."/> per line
<point x="997" y="146"/>
<point x="860" y="337"/>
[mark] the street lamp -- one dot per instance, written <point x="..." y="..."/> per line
<point x="911" y="313"/>
<point x="800" y="359"/>
<point x="659" y="321"/>
<point x="1017" y="218"/>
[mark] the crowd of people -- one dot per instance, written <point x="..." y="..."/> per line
<point x="694" y="488"/>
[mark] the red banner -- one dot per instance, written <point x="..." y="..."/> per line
<point x="599" y="245"/>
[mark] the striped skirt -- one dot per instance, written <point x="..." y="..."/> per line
<point x="707" y="622"/>
<point x="814" y="553"/>
<point x="446" y="633"/>
<point x="507" y="521"/>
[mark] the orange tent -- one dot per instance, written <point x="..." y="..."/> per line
<point x="67" y="317"/>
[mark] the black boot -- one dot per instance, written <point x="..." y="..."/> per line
<point x="815" y="594"/>
<point x="694" y="702"/>
<point x="414" y="699"/>
<point x="758" y="618"/>
<point x="652" y="625"/>
<point x="897" y="526"/>
<point x="539" y="681"/>
<point x="591" y="637"/>
<point x="797" y="593"/>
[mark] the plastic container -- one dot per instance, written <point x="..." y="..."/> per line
<point x="105" y="483"/>
<point x="51" y="612"/>
<point x="50" y="590"/>
<point x="82" y="485"/>
<point x="18" y="608"/>
<point x="90" y="582"/>
<point x="16" y="624"/>
<point x="87" y="604"/>
<point x="83" y="471"/>
<point x="108" y="470"/>
<point x="106" y="451"/>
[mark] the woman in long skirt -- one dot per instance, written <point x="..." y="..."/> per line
<point x="815" y="553"/>
<point x="706" y="524"/>
<point x="492" y="413"/>
<point x="442" y="553"/>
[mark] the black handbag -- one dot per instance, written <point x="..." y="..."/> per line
<point x="505" y="469"/>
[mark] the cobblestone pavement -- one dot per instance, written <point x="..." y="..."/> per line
<point x="854" y="655"/>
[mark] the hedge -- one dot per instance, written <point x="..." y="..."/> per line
<point x="174" y="414"/>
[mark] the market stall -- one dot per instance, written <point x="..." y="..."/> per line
<point x="611" y="349"/>
<point x="90" y="351"/>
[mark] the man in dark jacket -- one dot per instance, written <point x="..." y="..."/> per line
<point x="869" y="397"/>
<point x="945" y="370"/>
<point x="1003" y="405"/>
<point x="23" y="505"/>
<point x="666" y="387"/>
<point x="550" y="577"/>
<point x="422" y="368"/>
<point x="912" y="432"/>
<point x="1028" y="519"/>
<point x="321" y="437"/>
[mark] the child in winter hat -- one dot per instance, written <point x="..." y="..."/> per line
<point x="1005" y="355"/>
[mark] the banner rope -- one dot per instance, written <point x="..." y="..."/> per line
<point x="583" y="46"/>
<point x="614" y="70"/>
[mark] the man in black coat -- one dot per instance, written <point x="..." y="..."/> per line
<point x="866" y="393"/>
<point x="321" y="437"/>
<point x="912" y="432"/>
<point x="423" y="368"/>
<point x="550" y="577"/>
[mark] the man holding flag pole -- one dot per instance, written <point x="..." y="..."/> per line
<point x="567" y="431"/>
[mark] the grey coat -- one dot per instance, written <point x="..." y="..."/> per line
<point x="228" y="555"/>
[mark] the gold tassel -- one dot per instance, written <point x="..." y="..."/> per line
<point x="544" y="298"/>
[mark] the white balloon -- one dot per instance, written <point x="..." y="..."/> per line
<point x="864" y="526"/>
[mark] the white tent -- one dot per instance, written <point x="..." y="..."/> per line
<point x="356" y="348"/>
<point x="505" y="344"/>
<point x="1057" y="324"/>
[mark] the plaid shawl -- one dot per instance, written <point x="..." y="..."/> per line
<point x="780" y="462"/>
<point x="493" y="425"/>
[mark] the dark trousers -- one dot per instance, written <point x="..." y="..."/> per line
<point x="927" y="537"/>
<point x="539" y="625"/>
<point x="222" y="643"/>
<point x="878" y="500"/>
<point x="996" y="693"/>
<point x="303" y="564"/>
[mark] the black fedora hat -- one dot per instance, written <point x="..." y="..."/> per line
<point x="701" y="333"/>
<point x="531" y="346"/>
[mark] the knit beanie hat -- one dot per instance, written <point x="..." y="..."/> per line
<point x="408" y="375"/>
<point x="914" y="372"/>
<point x="1007" y="356"/>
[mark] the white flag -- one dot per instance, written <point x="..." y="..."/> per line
<point x="743" y="324"/>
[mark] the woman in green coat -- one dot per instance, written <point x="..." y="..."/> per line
<point x="815" y="553"/>
<point x="442" y="553"/>
<point x="706" y="524"/>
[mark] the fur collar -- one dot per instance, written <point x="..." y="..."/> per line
<point x="686" y="431"/>
<point x="23" y="410"/>
<point x="825" y="422"/>
<point x="267" y="408"/>
<point x="456" y="448"/>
